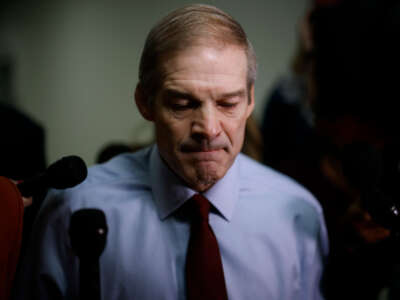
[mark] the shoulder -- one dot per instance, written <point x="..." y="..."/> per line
<point x="132" y="167"/>
<point x="262" y="181"/>
<point x="280" y="200"/>
<point x="126" y="176"/>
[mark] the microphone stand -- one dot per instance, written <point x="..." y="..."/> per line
<point x="88" y="233"/>
<point x="89" y="278"/>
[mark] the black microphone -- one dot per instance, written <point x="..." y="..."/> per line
<point x="88" y="233"/>
<point x="64" y="173"/>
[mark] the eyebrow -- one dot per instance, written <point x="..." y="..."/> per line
<point x="171" y="93"/>
<point x="239" y="93"/>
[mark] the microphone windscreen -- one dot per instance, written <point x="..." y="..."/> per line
<point x="66" y="172"/>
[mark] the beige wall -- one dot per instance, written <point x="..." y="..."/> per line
<point x="77" y="62"/>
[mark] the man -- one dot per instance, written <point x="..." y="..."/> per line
<point x="196" y="85"/>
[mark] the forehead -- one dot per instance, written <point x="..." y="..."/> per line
<point x="200" y="68"/>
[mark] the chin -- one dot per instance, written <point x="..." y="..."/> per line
<point x="207" y="177"/>
<point x="200" y="178"/>
<point x="203" y="184"/>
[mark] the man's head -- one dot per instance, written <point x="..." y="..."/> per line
<point x="196" y="83"/>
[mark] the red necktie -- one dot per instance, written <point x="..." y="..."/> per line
<point x="204" y="272"/>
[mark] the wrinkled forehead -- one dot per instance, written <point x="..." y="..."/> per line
<point x="205" y="56"/>
<point x="197" y="43"/>
<point x="206" y="71"/>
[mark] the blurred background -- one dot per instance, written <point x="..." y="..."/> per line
<point x="72" y="65"/>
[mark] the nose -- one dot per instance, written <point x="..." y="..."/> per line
<point x="206" y="123"/>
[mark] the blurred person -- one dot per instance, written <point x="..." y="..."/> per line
<point x="22" y="155"/>
<point x="287" y="123"/>
<point x="188" y="217"/>
<point x="19" y="134"/>
<point x="353" y="153"/>
<point x="354" y="93"/>
<point x="335" y="131"/>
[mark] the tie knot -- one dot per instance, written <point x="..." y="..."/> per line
<point x="200" y="207"/>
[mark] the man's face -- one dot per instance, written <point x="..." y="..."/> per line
<point x="200" y="112"/>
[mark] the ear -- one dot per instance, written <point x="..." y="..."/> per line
<point x="250" y="106"/>
<point x="143" y="103"/>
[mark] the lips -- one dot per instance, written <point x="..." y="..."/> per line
<point x="202" y="148"/>
<point x="204" y="156"/>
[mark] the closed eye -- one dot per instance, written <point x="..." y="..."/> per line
<point x="183" y="104"/>
<point x="228" y="104"/>
<point x="179" y="101"/>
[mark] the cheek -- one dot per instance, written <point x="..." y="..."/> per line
<point x="235" y="131"/>
<point x="171" y="131"/>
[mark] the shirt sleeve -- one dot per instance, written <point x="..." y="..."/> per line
<point x="315" y="265"/>
<point x="313" y="245"/>
<point x="49" y="260"/>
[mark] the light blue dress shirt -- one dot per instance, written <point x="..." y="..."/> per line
<point x="270" y="231"/>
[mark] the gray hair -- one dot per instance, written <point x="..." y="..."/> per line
<point x="185" y="27"/>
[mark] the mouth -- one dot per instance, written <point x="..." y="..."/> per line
<point x="190" y="148"/>
<point x="202" y="151"/>
<point x="204" y="155"/>
<point x="208" y="150"/>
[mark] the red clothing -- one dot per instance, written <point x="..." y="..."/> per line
<point x="11" y="216"/>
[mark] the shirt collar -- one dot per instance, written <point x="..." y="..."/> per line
<point x="170" y="192"/>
